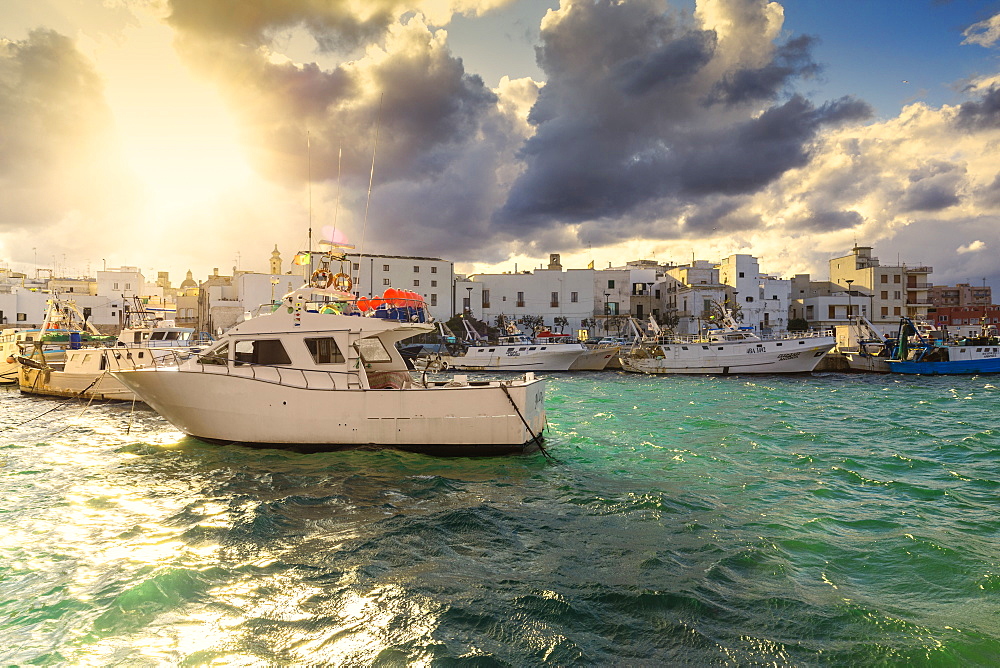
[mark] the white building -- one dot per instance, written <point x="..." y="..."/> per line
<point x="430" y="277"/>
<point x="551" y="293"/>
<point x="764" y="300"/>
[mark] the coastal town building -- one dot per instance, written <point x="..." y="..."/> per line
<point x="958" y="321"/>
<point x="430" y="277"/>
<point x="891" y="290"/>
<point x="962" y="294"/>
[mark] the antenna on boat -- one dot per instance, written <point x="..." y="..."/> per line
<point x="309" y="189"/>
<point x="371" y="176"/>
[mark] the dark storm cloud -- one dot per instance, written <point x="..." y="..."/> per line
<point x="982" y="114"/>
<point x="334" y="25"/>
<point x="791" y="61"/>
<point x="933" y="186"/>
<point x="829" y="221"/>
<point x="634" y="113"/>
<point x="54" y="131"/>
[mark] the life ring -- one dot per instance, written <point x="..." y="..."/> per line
<point x="321" y="278"/>
<point x="342" y="282"/>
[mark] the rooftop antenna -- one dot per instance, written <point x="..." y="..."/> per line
<point x="371" y="176"/>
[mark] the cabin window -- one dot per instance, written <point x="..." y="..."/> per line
<point x="219" y="356"/>
<point x="325" y="351"/>
<point x="372" y="350"/>
<point x="260" y="351"/>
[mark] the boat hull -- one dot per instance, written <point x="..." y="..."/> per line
<point x="949" y="368"/>
<point x="594" y="360"/>
<point x="786" y="356"/>
<point x="511" y="359"/>
<point x="450" y="418"/>
<point x="98" y="386"/>
<point x="866" y="363"/>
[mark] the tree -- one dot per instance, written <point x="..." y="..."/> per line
<point x="798" y="325"/>
<point x="560" y="322"/>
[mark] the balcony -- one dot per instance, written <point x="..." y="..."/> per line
<point x="920" y="286"/>
<point x="919" y="270"/>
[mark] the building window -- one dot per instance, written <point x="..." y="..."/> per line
<point x="385" y="281"/>
<point x="612" y="308"/>
<point x="884" y="294"/>
<point x="749" y="299"/>
<point x="574" y="297"/>
<point x="385" y="267"/>
<point x="416" y="269"/>
<point x="895" y="279"/>
<point x="416" y="282"/>
<point x="885" y="311"/>
<point x="896" y="295"/>
<point x="434" y="300"/>
<point x="895" y="311"/>
<point x="885" y="278"/>
<point x="520" y="300"/>
<point x="434" y="284"/>
<point x="356" y="266"/>
<point x="611" y="285"/>
<point x="554" y="300"/>
<point x="434" y="270"/>
<point x="115" y="287"/>
<point x="22" y="317"/>
<point x="741" y="274"/>
<point x="486" y="297"/>
<point x="833" y="312"/>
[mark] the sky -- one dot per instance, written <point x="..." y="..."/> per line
<point x="192" y="134"/>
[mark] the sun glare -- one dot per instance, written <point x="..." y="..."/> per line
<point x="174" y="130"/>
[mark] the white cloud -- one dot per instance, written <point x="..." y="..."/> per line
<point x="985" y="33"/>
<point x="974" y="247"/>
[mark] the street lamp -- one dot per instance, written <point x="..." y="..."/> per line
<point x="849" y="305"/>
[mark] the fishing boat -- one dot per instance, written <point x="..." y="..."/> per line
<point x="729" y="349"/>
<point x="84" y="371"/>
<point x="318" y="373"/>
<point x="916" y="353"/>
<point x="64" y="328"/>
<point x="863" y="347"/>
<point x="514" y="351"/>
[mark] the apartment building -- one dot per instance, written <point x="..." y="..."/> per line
<point x="962" y="294"/>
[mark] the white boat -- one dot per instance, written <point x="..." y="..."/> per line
<point x="590" y="358"/>
<point x="514" y="353"/>
<point x="84" y="372"/>
<point x="729" y="350"/>
<point x="863" y="347"/>
<point x="316" y="374"/>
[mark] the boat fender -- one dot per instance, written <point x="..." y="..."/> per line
<point x="321" y="278"/>
<point x="10" y="360"/>
<point x="342" y="282"/>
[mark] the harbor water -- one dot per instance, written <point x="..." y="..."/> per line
<point x="826" y="519"/>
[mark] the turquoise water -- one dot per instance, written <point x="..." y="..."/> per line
<point x="732" y="521"/>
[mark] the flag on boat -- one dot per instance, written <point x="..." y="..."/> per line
<point x="301" y="259"/>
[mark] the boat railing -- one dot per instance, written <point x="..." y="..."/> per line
<point x="739" y="336"/>
<point x="278" y="374"/>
